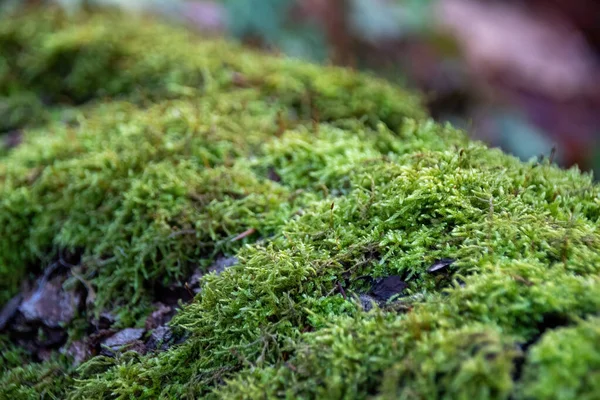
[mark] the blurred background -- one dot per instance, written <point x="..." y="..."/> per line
<point x="520" y="75"/>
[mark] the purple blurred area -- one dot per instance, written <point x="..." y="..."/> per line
<point x="521" y="75"/>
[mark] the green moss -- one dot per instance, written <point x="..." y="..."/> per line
<point x="21" y="379"/>
<point x="19" y="109"/>
<point x="151" y="163"/>
<point x="564" y="364"/>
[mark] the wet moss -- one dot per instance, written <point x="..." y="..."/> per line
<point x="159" y="151"/>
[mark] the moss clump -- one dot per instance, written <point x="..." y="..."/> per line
<point x="153" y="142"/>
<point x="338" y="177"/>
<point x="564" y="363"/>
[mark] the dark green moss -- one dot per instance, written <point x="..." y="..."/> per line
<point x="339" y="176"/>
<point x="22" y="379"/>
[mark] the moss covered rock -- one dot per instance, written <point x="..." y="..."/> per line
<point x="147" y="154"/>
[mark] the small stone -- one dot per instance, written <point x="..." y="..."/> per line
<point x="79" y="351"/>
<point x="222" y="263"/>
<point x="9" y="310"/>
<point x="106" y="320"/>
<point x="194" y="280"/>
<point x="138" y="346"/>
<point x="124" y="337"/>
<point x="159" y="338"/>
<point x="50" y="304"/>
<point x="160" y="316"/>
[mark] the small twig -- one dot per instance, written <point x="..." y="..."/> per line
<point x="187" y="287"/>
<point x="91" y="293"/>
<point x="107" y="261"/>
<point x="331" y="218"/>
<point x="244" y="234"/>
<point x="316" y="118"/>
<point x="331" y="291"/>
<point x="565" y="247"/>
<point x="263" y="353"/>
<point x="198" y="197"/>
<point x="63" y="262"/>
<point x="524" y="281"/>
<point x="342" y="290"/>
<point x="281" y="124"/>
<point x="48" y="272"/>
<point x="552" y="155"/>
<point x="243" y="360"/>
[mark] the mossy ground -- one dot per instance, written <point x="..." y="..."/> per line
<point x="148" y="151"/>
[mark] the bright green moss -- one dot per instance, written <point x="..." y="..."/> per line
<point x="153" y="158"/>
<point x="564" y="364"/>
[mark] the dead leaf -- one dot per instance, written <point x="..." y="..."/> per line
<point x="385" y="288"/>
<point x="441" y="264"/>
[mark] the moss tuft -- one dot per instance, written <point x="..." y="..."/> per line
<point x="564" y="363"/>
<point x="150" y="164"/>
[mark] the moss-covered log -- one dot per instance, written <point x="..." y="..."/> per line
<point x="147" y="153"/>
